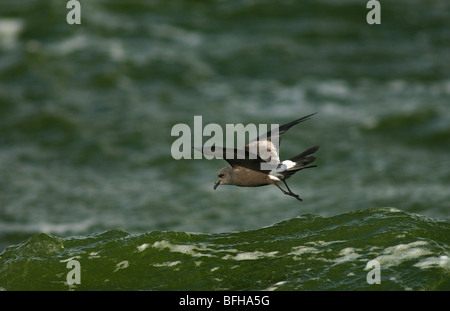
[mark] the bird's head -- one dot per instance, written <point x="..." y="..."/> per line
<point x="224" y="176"/>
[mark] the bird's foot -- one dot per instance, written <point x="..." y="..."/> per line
<point x="292" y="194"/>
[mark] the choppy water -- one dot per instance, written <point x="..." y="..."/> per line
<point x="304" y="253"/>
<point x="86" y="113"/>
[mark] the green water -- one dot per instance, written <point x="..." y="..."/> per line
<point x="86" y="113"/>
<point x="304" y="253"/>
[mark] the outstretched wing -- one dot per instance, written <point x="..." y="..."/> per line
<point x="261" y="154"/>
<point x="267" y="146"/>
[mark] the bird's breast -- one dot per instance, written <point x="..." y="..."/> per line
<point x="244" y="177"/>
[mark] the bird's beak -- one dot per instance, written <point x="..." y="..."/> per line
<point x="217" y="184"/>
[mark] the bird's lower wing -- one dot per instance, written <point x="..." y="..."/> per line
<point x="236" y="157"/>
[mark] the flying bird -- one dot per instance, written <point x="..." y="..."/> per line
<point x="250" y="169"/>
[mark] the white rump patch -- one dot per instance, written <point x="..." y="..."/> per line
<point x="289" y="164"/>
<point x="282" y="167"/>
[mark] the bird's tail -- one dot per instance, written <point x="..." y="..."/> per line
<point x="303" y="159"/>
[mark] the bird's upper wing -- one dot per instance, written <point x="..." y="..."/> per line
<point x="261" y="154"/>
<point x="266" y="149"/>
<point x="267" y="146"/>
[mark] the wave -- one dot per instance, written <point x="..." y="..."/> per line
<point x="308" y="252"/>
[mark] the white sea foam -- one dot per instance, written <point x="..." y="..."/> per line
<point x="10" y="29"/>
<point x="250" y="255"/>
<point x="300" y="250"/>
<point x="69" y="259"/>
<point x="167" y="264"/>
<point x="180" y="248"/>
<point x="434" y="262"/>
<point x="122" y="265"/>
<point x="324" y="243"/>
<point x="93" y="255"/>
<point x="347" y="254"/>
<point x="142" y="247"/>
<point x="395" y="255"/>
<point x="70" y="44"/>
<point x="275" y="286"/>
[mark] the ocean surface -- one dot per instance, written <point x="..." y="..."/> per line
<point x="87" y="174"/>
<point x="303" y="253"/>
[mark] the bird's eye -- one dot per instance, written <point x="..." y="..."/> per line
<point x="221" y="175"/>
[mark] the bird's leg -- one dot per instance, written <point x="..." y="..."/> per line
<point x="282" y="190"/>
<point x="290" y="193"/>
<point x="287" y="186"/>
